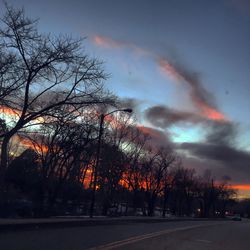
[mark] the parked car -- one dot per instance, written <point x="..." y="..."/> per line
<point x="236" y="217"/>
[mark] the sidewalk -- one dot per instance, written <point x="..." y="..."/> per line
<point x="56" y="222"/>
<point x="35" y="223"/>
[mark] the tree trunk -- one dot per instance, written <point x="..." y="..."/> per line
<point x="105" y="206"/>
<point x="3" y="167"/>
<point x="189" y="205"/>
<point x="165" y="199"/>
<point x="135" y="200"/>
<point x="3" y="162"/>
<point x="151" y="204"/>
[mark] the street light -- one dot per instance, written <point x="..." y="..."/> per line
<point x="102" y="117"/>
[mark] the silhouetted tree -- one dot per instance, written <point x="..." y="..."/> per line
<point x="133" y="166"/>
<point x="23" y="171"/>
<point x="116" y="139"/>
<point x="225" y="198"/>
<point x="154" y="171"/>
<point x="241" y="207"/>
<point x="41" y="73"/>
<point x="23" y="182"/>
<point x="63" y="147"/>
<point x="183" y="190"/>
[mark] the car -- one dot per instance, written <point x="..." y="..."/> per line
<point x="236" y="217"/>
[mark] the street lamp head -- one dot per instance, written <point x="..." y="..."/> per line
<point x="128" y="110"/>
<point x="122" y="110"/>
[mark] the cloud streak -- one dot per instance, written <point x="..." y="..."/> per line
<point x="163" y="116"/>
<point x="106" y="42"/>
<point x="109" y="43"/>
<point x="202" y="100"/>
<point x="200" y="97"/>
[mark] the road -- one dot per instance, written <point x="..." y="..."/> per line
<point x="182" y="235"/>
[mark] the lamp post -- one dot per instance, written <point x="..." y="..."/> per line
<point x="96" y="169"/>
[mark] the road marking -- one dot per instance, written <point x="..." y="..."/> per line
<point x="146" y="236"/>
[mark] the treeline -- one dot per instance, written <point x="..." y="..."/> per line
<point x="52" y="96"/>
<point x="56" y="177"/>
<point x="242" y="207"/>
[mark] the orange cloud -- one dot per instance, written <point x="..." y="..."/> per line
<point x="198" y="94"/>
<point x="106" y="42"/>
<point x="169" y="70"/>
<point x="212" y="113"/>
<point x="110" y="43"/>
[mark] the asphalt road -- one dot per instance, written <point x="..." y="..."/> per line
<point x="182" y="235"/>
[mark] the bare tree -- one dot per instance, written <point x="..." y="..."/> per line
<point x="40" y="73"/>
<point x="155" y="171"/>
<point x="63" y="147"/>
<point x="183" y="190"/>
<point x="133" y="171"/>
<point x="225" y="198"/>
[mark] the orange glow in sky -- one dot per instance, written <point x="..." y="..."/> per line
<point x="243" y="190"/>
<point x="245" y="187"/>
<point x="107" y="42"/>
<point x="149" y="131"/>
<point x="212" y="113"/>
<point x="10" y="112"/>
<point x="36" y="147"/>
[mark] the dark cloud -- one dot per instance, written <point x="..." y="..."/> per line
<point x="223" y="153"/>
<point x="226" y="178"/>
<point x="229" y="158"/>
<point x="163" y="116"/>
<point x="218" y="169"/>
<point x="199" y="95"/>
<point x="218" y="152"/>
<point x="218" y="149"/>
<point x="222" y="133"/>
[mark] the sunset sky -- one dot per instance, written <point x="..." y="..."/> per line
<point x="183" y="66"/>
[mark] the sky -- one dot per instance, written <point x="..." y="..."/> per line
<point x="183" y="66"/>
